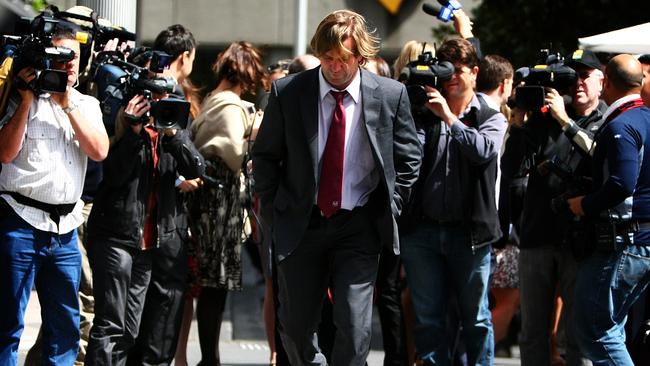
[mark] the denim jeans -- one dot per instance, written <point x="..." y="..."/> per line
<point x="607" y="285"/>
<point x="439" y="261"/>
<point x="543" y="272"/>
<point x="29" y="256"/>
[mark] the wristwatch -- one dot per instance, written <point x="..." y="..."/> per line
<point x="70" y="108"/>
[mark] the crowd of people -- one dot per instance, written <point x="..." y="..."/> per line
<point x="455" y="213"/>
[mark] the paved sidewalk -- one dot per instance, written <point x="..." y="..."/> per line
<point x="242" y="341"/>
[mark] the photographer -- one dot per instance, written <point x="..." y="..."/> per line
<point x="44" y="148"/>
<point x="554" y="146"/>
<point x="163" y="308"/>
<point x="450" y="244"/>
<point x="611" y="280"/>
<point x="135" y="220"/>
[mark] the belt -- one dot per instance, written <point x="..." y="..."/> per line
<point x="317" y="213"/>
<point x="55" y="211"/>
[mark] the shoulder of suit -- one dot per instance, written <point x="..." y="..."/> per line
<point x="298" y="79"/>
<point x="381" y="82"/>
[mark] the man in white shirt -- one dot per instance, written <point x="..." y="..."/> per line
<point x="44" y="146"/>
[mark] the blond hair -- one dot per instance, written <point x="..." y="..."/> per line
<point x="340" y="25"/>
<point x="409" y="53"/>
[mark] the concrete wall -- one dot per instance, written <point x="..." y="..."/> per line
<point x="272" y="22"/>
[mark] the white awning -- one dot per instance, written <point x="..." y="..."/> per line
<point x="633" y="40"/>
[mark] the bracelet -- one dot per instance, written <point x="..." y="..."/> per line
<point x="70" y="108"/>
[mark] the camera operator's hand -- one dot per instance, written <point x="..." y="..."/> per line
<point x="575" y="205"/>
<point x="26" y="76"/>
<point x="190" y="185"/>
<point x="555" y="103"/>
<point x="169" y="132"/>
<point x="438" y="105"/>
<point x="137" y="107"/>
<point x="463" y="24"/>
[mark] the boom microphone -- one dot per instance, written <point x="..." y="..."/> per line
<point x="431" y="9"/>
<point x="445" y="14"/>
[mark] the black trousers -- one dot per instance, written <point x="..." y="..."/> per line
<point x="163" y="308"/>
<point x="121" y="276"/>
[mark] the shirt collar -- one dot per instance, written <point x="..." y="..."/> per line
<point x="354" y="89"/>
<point x="489" y="101"/>
<point x="618" y="103"/>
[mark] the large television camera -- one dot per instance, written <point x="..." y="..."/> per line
<point x="550" y="71"/>
<point x="128" y="79"/>
<point x="32" y="47"/>
<point x="425" y="71"/>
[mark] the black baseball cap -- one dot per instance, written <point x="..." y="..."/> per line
<point x="585" y="58"/>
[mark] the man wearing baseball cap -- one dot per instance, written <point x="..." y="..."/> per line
<point x="549" y="255"/>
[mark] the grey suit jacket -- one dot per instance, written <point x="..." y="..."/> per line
<point x="285" y="155"/>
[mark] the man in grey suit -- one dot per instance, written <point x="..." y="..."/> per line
<point x="334" y="160"/>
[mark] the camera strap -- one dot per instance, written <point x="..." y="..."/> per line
<point x="55" y="211"/>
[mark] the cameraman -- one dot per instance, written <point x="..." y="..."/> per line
<point x="135" y="225"/>
<point x="165" y="299"/>
<point x="611" y="280"/>
<point x="547" y="260"/>
<point x="448" y="251"/>
<point x="44" y="148"/>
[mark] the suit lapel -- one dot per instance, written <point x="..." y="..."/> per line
<point x="308" y="101"/>
<point x="371" y="109"/>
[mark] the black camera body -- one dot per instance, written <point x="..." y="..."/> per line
<point x="549" y="72"/>
<point x="561" y="177"/>
<point x="32" y="47"/>
<point x="425" y="71"/>
<point x="139" y="80"/>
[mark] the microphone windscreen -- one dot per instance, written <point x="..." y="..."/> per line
<point x="431" y="9"/>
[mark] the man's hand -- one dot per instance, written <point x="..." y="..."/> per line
<point x="190" y="185"/>
<point x="438" y="105"/>
<point x="575" y="205"/>
<point x="555" y="104"/>
<point x="26" y="76"/>
<point x="462" y="24"/>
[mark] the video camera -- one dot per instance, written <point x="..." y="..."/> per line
<point x="140" y="80"/>
<point x="561" y="177"/>
<point x="550" y="71"/>
<point x="32" y="47"/>
<point x="425" y="71"/>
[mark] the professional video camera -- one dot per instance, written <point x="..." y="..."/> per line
<point x="135" y="80"/>
<point x="561" y="177"/>
<point x="550" y="71"/>
<point x="32" y="47"/>
<point x="425" y="71"/>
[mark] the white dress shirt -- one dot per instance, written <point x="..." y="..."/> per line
<point x="50" y="166"/>
<point x="360" y="176"/>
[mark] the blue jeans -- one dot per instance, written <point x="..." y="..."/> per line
<point x="543" y="272"/>
<point x="29" y="256"/>
<point x="439" y="261"/>
<point x="607" y="285"/>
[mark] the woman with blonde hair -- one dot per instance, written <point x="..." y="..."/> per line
<point x="410" y="52"/>
<point x="220" y="133"/>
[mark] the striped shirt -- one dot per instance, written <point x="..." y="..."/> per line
<point x="50" y="166"/>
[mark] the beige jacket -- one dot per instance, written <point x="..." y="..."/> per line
<point x="221" y="128"/>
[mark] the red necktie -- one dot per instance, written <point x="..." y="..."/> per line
<point x="331" y="178"/>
